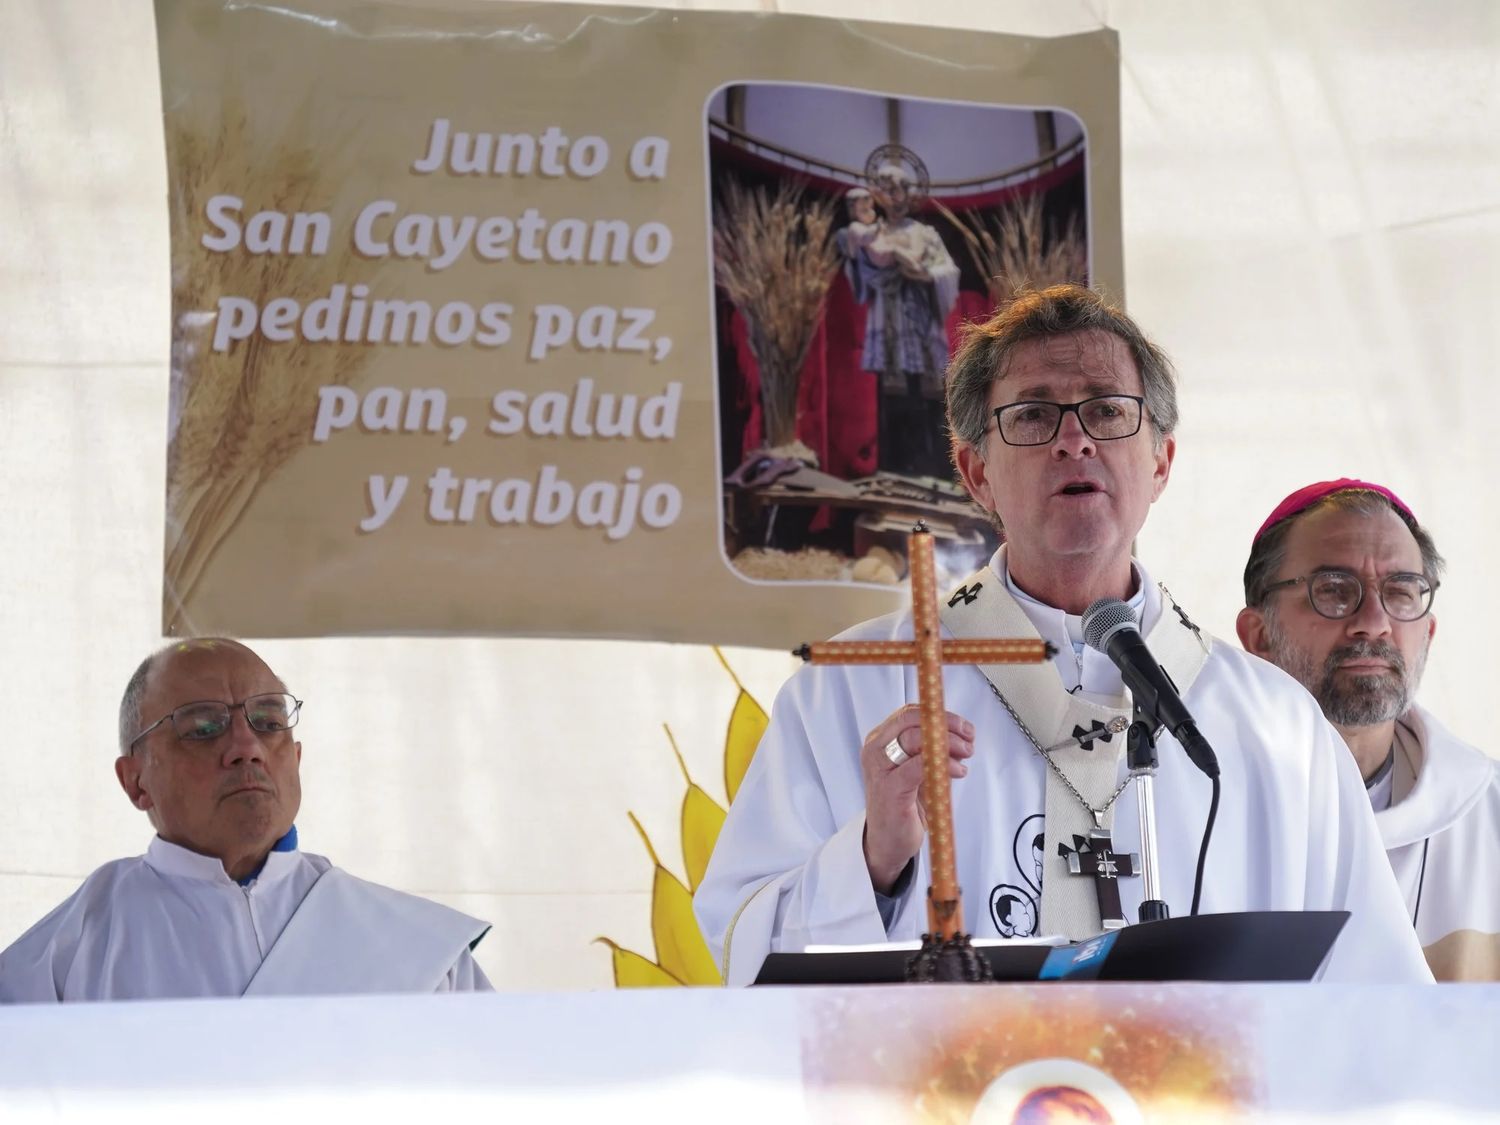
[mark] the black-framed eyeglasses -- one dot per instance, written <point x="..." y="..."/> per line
<point x="1337" y="594"/>
<point x="1103" y="418"/>
<point x="198" y="722"/>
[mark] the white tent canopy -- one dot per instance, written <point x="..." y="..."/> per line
<point x="1311" y="228"/>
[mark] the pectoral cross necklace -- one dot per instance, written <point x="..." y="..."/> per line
<point x="1093" y="855"/>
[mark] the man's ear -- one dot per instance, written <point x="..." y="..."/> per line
<point x="975" y="474"/>
<point x="1163" y="471"/>
<point x="128" y="771"/>
<point x="1251" y="627"/>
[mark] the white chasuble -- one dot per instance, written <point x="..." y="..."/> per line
<point x="980" y="607"/>
<point x="172" y="924"/>
<point x="1295" y="830"/>
<point x="1442" y="834"/>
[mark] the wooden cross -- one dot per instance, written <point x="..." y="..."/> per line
<point x="929" y="652"/>
<point x="1095" y="856"/>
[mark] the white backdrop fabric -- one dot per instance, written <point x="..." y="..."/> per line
<point x="1312" y="229"/>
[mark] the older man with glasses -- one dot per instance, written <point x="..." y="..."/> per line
<point x="1338" y="592"/>
<point x="224" y="903"/>
<point x="1062" y="415"/>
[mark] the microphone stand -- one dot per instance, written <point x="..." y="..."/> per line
<point x="1140" y="747"/>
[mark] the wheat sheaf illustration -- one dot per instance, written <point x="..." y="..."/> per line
<point x="682" y="957"/>
<point x="237" y="416"/>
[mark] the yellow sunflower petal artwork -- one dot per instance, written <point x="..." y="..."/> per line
<point x="682" y="956"/>
<point x="747" y="722"/>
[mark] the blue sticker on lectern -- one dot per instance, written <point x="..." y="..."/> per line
<point x="1083" y="961"/>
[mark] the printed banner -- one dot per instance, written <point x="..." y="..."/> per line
<point x="608" y="322"/>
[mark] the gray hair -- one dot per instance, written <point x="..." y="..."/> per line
<point x="1268" y="553"/>
<point x="130" y="702"/>
<point x="131" y="720"/>
<point x="986" y="351"/>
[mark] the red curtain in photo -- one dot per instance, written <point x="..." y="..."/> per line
<point x="836" y="407"/>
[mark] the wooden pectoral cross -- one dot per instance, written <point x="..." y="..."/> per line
<point x="1095" y="856"/>
<point x="929" y="652"/>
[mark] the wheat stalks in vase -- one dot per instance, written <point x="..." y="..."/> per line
<point x="238" y="416"/>
<point x="775" y="258"/>
<point x="1012" y="250"/>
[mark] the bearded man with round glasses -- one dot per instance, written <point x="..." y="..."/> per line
<point x="224" y="903"/>
<point x="1062" y="416"/>
<point x="1338" y="592"/>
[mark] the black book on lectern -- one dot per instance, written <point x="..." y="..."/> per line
<point x="1262" y="945"/>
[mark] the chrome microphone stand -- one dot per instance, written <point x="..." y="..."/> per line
<point x="1140" y="747"/>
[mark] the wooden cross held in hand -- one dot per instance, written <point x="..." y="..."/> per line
<point x="929" y="652"/>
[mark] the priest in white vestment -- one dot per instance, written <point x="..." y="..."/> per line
<point x="1338" y="591"/>
<point x="1062" y="415"/>
<point x="224" y="903"/>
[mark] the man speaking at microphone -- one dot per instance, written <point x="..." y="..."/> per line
<point x="1061" y="415"/>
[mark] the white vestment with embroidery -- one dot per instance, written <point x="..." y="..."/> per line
<point x="1294" y="832"/>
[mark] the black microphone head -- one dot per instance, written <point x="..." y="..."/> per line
<point x="1103" y="620"/>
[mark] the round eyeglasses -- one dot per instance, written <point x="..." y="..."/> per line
<point x="1103" y="418"/>
<point x="198" y="722"/>
<point x="1337" y="594"/>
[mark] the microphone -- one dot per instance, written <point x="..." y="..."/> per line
<point x="1109" y="627"/>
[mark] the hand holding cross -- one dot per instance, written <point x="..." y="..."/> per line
<point x="931" y="803"/>
<point x="895" y="822"/>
